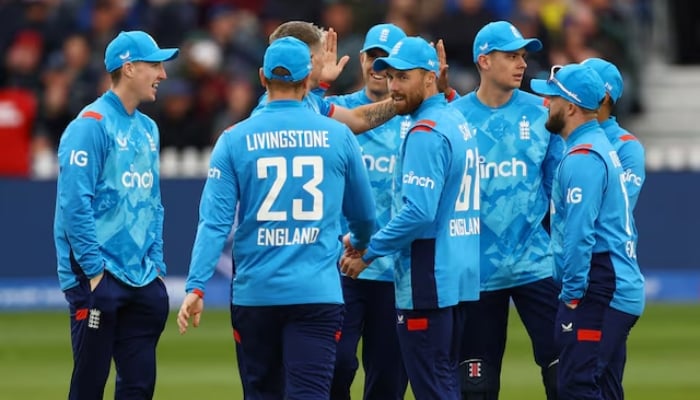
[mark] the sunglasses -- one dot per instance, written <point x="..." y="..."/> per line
<point x="554" y="80"/>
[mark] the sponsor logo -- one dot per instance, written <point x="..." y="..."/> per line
<point x="574" y="195"/>
<point x="78" y="157"/>
<point x="421" y="181"/>
<point x="399" y="319"/>
<point x="405" y="126"/>
<point x="133" y="179"/>
<point x="512" y="167"/>
<point x="466" y="133"/>
<point x="567" y="327"/>
<point x="628" y="176"/>
<point x="214" y="173"/>
<point x="151" y="142"/>
<point x="484" y="46"/>
<point x="380" y="164"/>
<point x="474" y="369"/>
<point x="515" y="32"/>
<point x="122" y="142"/>
<point x="384" y="35"/>
<point x="125" y="56"/>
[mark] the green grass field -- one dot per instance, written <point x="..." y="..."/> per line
<point x="35" y="359"/>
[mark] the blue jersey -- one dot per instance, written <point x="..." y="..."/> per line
<point x="108" y="208"/>
<point x="517" y="164"/>
<point x="291" y="171"/>
<point x="631" y="153"/>
<point x="380" y="148"/>
<point x="592" y="224"/>
<point x="313" y="100"/>
<point x="436" y="229"/>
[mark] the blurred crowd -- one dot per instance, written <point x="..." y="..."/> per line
<point x="53" y="50"/>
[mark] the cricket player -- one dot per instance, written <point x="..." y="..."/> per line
<point x="292" y="172"/>
<point x="593" y="237"/>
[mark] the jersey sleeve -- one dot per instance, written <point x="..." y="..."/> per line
<point x="155" y="253"/>
<point x="217" y="209"/>
<point x="425" y="162"/>
<point x="359" y="207"/>
<point x="583" y="178"/>
<point x="324" y="106"/>
<point x="631" y="155"/>
<point x="81" y="155"/>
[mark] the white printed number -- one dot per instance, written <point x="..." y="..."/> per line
<point x="468" y="197"/>
<point x="265" y="213"/>
<point x="574" y="195"/>
<point x="79" y="158"/>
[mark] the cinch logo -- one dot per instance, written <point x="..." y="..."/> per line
<point x="136" y="180"/>
<point x="422" y="181"/>
<point x="79" y="158"/>
<point x="380" y="164"/>
<point x="574" y="195"/>
<point x="514" y="167"/>
<point x="628" y="176"/>
<point x="214" y="173"/>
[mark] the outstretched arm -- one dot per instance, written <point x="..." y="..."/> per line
<point x="364" y="118"/>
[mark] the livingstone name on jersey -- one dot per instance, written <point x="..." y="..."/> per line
<point x="286" y="236"/>
<point x="286" y="139"/>
<point x="465" y="227"/>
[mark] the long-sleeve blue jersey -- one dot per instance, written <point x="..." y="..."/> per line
<point x="380" y="148"/>
<point x="291" y="171"/>
<point x="592" y="225"/>
<point x="436" y="229"/>
<point x="108" y="208"/>
<point x="631" y="153"/>
<point x="518" y="157"/>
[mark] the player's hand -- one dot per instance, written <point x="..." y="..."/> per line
<point x="349" y="250"/>
<point x="352" y="266"/>
<point x="95" y="280"/>
<point x="332" y="67"/>
<point x="443" y="82"/>
<point x="192" y="306"/>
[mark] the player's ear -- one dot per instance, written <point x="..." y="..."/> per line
<point x="263" y="80"/>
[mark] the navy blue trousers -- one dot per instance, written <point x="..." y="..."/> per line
<point x="286" y="352"/>
<point x="485" y="336"/>
<point x="370" y="314"/>
<point x="593" y="340"/>
<point x="120" y="322"/>
<point x="429" y="346"/>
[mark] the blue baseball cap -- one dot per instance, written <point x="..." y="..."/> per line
<point x="502" y="36"/>
<point x="291" y="54"/>
<point x="135" y="46"/>
<point x="410" y="52"/>
<point x="576" y="83"/>
<point x="383" y="37"/>
<point x="611" y="76"/>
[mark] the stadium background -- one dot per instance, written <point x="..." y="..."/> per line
<point x="52" y="65"/>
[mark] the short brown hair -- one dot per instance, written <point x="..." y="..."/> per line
<point x="304" y="31"/>
<point x="116" y="76"/>
<point x="280" y="84"/>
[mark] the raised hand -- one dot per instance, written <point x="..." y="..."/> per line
<point x="332" y="67"/>
<point x="443" y="81"/>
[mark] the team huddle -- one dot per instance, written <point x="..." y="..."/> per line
<point x="403" y="214"/>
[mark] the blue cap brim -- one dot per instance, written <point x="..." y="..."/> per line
<point x="382" y="63"/>
<point x="161" y="55"/>
<point x="542" y="87"/>
<point x="376" y="46"/>
<point x="531" y="45"/>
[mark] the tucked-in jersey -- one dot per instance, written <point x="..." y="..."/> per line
<point x="436" y="229"/>
<point x="108" y="208"/>
<point x="631" y="153"/>
<point x="518" y="157"/>
<point x="592" y="225"/>
<point x="313" y="100"/>
<point x="291" y="172"/>
<point x="380" y="149"/>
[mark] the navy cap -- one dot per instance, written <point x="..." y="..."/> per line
<point x="576" y="83"/>
<point x="291" y="54"/>
<point x="410" y="52"/>
<point x="502" y="36"/>
<point x="135" y="46"/>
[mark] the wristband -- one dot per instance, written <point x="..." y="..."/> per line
<point x="198" y="292"/>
